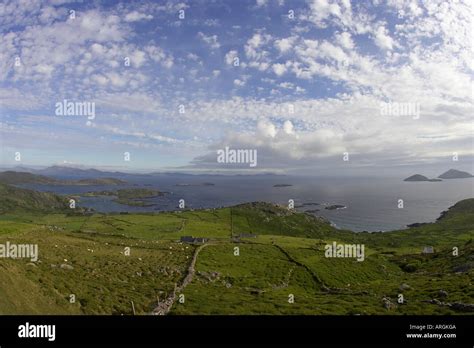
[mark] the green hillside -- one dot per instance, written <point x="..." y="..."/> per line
<point x="18" y="178"/>
<point x="17" y="199"/>
<point x="14" y="178"/>
<point x="280" y="255"/>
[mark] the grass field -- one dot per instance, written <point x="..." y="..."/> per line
<point x="282" y="270"/>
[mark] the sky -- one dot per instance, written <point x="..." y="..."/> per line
<point x="312" y="86"/>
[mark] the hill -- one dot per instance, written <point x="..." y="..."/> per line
<point x="18" y="199"/>
<point x="455" y="174"/>
<point x="419" y="177"/>
<point x="18" y="178"/>
<point x="15" y="178"/>
<point x="280" y="253"/>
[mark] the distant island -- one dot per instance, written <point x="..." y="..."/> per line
<point x="455" y="174"/>
<point x="335" y="207"/>
<point x="99" y="193"/>
<point x="99" y="181"/>
<point x="419" y="177"/>
<point x="450" y="174"/>
<point x="132" y="197"/>
<point x="196" y="184"/>
<point x="282" y="185"/>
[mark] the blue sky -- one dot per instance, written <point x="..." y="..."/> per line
<point x="308" y="87"/>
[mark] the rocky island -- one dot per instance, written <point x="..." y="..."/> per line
<point x="419" y="177"/>
<point x="132" y="197"/>
<point x="335" y="207"/>
<point x="455" y="174"/>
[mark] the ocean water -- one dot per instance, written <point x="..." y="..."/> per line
<point x="371" y="203"/>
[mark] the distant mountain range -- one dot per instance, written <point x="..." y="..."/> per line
<point x="68" y="172"/>
<point x="74" y="172"/>
<point x="450" y="174"/>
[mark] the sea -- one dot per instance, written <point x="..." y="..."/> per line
<point x="368" y="203"/>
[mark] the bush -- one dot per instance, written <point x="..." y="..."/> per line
<point x="411" y="267"/>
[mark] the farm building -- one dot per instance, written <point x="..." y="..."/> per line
<point x="428" y="250"/>
<point x="193" y="240"/>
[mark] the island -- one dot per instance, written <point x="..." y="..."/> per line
<point x="92" y="182"/>
<point x="419" y="177"/>
<point x="132" y="196"/>
<point x="282" y="185"/>
<point x="335" y="207"/>
<point x="455" y="174"/>
<point x="99" y="193"/>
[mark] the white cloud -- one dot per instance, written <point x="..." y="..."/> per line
<point x="16" y="99"/>
<point x="135" y="16"/>
<point x="287" y="85"/>
<point x="332" y="52"/>
<point x="288" y="127"/>
<point x="279" y="69"/>
<point x="137" y="58"/>
<point x="300" y="89"/>
<point x="116" y="80"/>
<point x="322" y="11"/>
<point x="157" y="54"/>
<point x="100" y="79"/>
<point x="239" y="83"/>
<point x="259" y="57"/>
<point x="230" y="56"/>
<point x="345" y="40"/>
<point x="192" y="56"/>
<point x="266" y="129"/>
<point x="256" y="41"/>
<point x="211" y="40"/>
<point x="284" y="45"/>
<point x="383" y="39"/>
